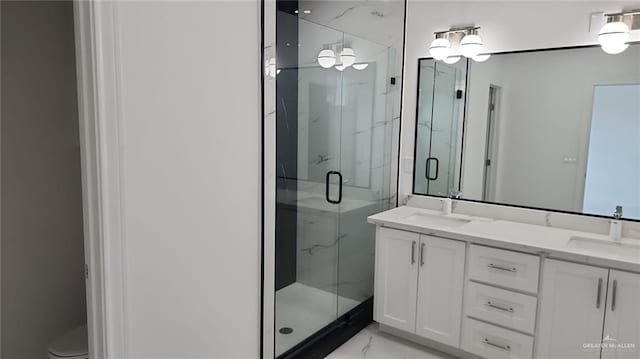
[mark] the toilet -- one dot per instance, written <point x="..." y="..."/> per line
<point x="73" y="344"/>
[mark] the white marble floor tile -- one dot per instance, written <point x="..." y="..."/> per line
<point x="370" y="343"/>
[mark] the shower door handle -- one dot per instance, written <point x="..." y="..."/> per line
<point x="326" y="188"/>
<point x="428" y="168"/>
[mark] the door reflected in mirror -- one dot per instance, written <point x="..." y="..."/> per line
<point x="552" y="129"/>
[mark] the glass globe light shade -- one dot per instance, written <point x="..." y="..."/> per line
<point x="451" y="59"/>
<point x="360" y="66"/>
<point x="614" y="49"/>
<point x="326" y="58"/>
<point x="613" y="35"/>
<point x="347" y="57"/>
<point x="340" y="67"/>
<point x="481" y="58"/>
<point x="440" y="48"/>
<point x="471" y="45"/>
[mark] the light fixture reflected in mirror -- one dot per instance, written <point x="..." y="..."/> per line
<point x="360" y="66"/>
<point x="347" y="57"/>
<point x="326" y="58"/>
<point x="270" y="67"/>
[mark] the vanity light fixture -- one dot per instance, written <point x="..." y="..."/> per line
<point x="360" y="66"/>
<point x="340" y="68"/>
<point x="327" y="58"/>
<point x="347" y="57"/>
<point x="613" y="36"/>
<point x="451" y="59"/>
<point x="440" y="47"/>
<point x="471" y="44"/>
<point x="481" y="58"/>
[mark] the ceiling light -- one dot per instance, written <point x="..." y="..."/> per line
<point x="451" y="59"/>
<point x="347" y="57"/>
<point x="471" y="44"/>
<point x="440" y="47"/>
<point x="327" y="58"/>
<point x="361" y="66"/>
<point x="481" y="58"/>
<point x="307" y="12"/>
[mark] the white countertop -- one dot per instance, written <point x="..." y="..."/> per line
<point x="547" y="241"/>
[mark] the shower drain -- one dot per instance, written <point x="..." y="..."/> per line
<point x="285" y="330"/>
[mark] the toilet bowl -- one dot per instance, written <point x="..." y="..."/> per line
<point x="73" y="344"/>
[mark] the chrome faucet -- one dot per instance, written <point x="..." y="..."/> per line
<point x="615" y="231"/>
<point x="455" y="194"/>
<point x="618" y="213"/>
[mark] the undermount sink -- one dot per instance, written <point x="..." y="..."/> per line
<point x="440" y="220"/>
<point x="623" y="247"/>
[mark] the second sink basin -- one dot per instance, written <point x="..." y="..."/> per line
<point x="440" y="220"/>
<point x="623" y="247"/>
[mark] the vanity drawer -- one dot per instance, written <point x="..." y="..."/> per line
<point x="494" y="342"/>
<point x="504" y="268"/>
<point x="500" y="306"/>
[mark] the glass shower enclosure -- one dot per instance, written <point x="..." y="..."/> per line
<point x="334" y="138"/>
<point x="441" y="93"/>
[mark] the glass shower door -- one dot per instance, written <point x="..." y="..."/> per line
<point x="366" y="130"/>
<point x="333" y="157"/>
<point x="309" y="187"/>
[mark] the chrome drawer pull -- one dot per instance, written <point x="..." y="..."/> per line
<point x="489" y="304"/>
<point x="503" y="347"/>
<point x="599" y="293"/>
<point x="506" y="269"/>
<point x="614" y="293"/>
<point x="413" y="252"/>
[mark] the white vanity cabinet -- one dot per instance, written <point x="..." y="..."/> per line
<point x="440" y="289"/>
<point x="582" y="306"/>
<point x="622" y="318"/>
<point x="419" y="284"/>
<point x="500" y="303"/>
<point x="396" y="278"/>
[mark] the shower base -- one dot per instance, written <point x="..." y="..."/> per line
<point x="302" y="310"/>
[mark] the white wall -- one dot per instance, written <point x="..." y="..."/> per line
<point x="43" y="291"/>
<point x="189" y="123"/>
<point x="505" y="26"/>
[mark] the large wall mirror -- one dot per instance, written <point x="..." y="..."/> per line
<point x="552" y="129"/>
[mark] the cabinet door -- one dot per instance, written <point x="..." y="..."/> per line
<point x="440" y="283"/>
<point x="621" y="337"/>
<point x="571" y="311"/>
<point x="396" y="278"/>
